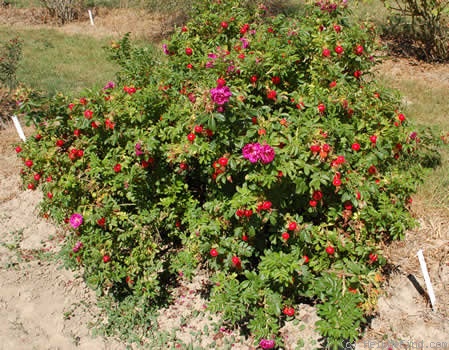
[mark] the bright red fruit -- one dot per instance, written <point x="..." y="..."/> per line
<point x="31" y="186"/>
<point x="332" y="84"/>
<point x="288" y="311"/>
<point x="117" y="168"/>
<point x="253" y="79"/>
<point x="330" y="250"/>
<point x="189" y="51"/>
<point x="191" y="137"/>
<point x="271" y="95"/>
<point x="221" y="82"/>
<point x="357" y="74"/>
<point x="285" y="236"/>
<point x="213" y="252"/>
<point x="106" y="258"/>
<point x="292" y="226"/>
<point x="326" y="52"/>
<point x="77" y="132"/>
<point x="347" y="205"/>
<point x="355" y="147"/>
<point x="223" y="161"/>
<point x="373" y="139"/>
<point x="313" y="203"/>
<point x="337" y="28"/>
<point x="49" y="195"/>
<point x="224" y="25"/>
<point x="101" y="222"/>
<point x="372" y="257"/>
<point x="80" y="153"/>
<point x="266" y="205"/>
<point x="358" y="50"/>
<point x="198" y="129"/>
<point x="183" y="166"/>
<point x="60" y="143"/>
<point x="339" y="49"/>
<point x="29" y="163"/>
<point x="315" y="148"/>
<point x="306" y="259"/>
<point x="184" y="29"/>
<point x="236" y="261"/>
<point x="37" y="176"/>
<point x="317" y="195"/>
<point x="336" y="181"/>
<point x="88" y="114"/>
<point x="276" y="80"/>
<point x="401" y="117"/>
<point x="340" y="160"/>
<point x="244" y="29"/>
<point x="18" y="149"/>
<point x="321" y="108"/>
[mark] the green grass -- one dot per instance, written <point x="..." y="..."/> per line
<point x="57" y="62"/>
<point x="25" y="3"/>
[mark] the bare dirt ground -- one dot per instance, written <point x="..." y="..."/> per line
<point x="43" y="306"/>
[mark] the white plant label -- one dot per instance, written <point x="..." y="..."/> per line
<point x="427" y="278"/>
<point x="91" y="18"/>
<point x="19" y="129"/>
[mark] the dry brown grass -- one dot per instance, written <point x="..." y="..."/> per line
<point x="109" y="23"/>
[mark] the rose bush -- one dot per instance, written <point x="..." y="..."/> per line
<point x="261" y="150"/>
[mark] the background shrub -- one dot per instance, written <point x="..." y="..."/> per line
<point x="10" y="56"/>
<point x="422" y="26"/>
<point x="64" y="11"/>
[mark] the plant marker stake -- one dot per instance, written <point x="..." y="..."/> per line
<point x="91" y="18"/>
<point x="18" y="127"/>
<point x="426" y="278"/>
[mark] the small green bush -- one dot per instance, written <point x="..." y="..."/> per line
<point x="259" y="148"/>
<point x="10" y="56"/>
<point x="423" y="25"/>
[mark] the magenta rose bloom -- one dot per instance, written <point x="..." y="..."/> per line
<point x="251" y="151"/>
<point x="76" y="220"/>
<point x="266" y="154"/>
<point x="267" y="344"/>
<point x="109" y="85"/>
<point x="245" y="43"/>
<point x="77" y="247"/>
<point x="221" y="94"/>
<point x="165" y="49"/>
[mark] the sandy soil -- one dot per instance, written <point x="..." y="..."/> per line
<point x="43" y="306"/>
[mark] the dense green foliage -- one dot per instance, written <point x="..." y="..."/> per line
<point x="259" y="148"/>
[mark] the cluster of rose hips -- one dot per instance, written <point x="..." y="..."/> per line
<point x="75" y="154"/>
<point x="244" y="213"/>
